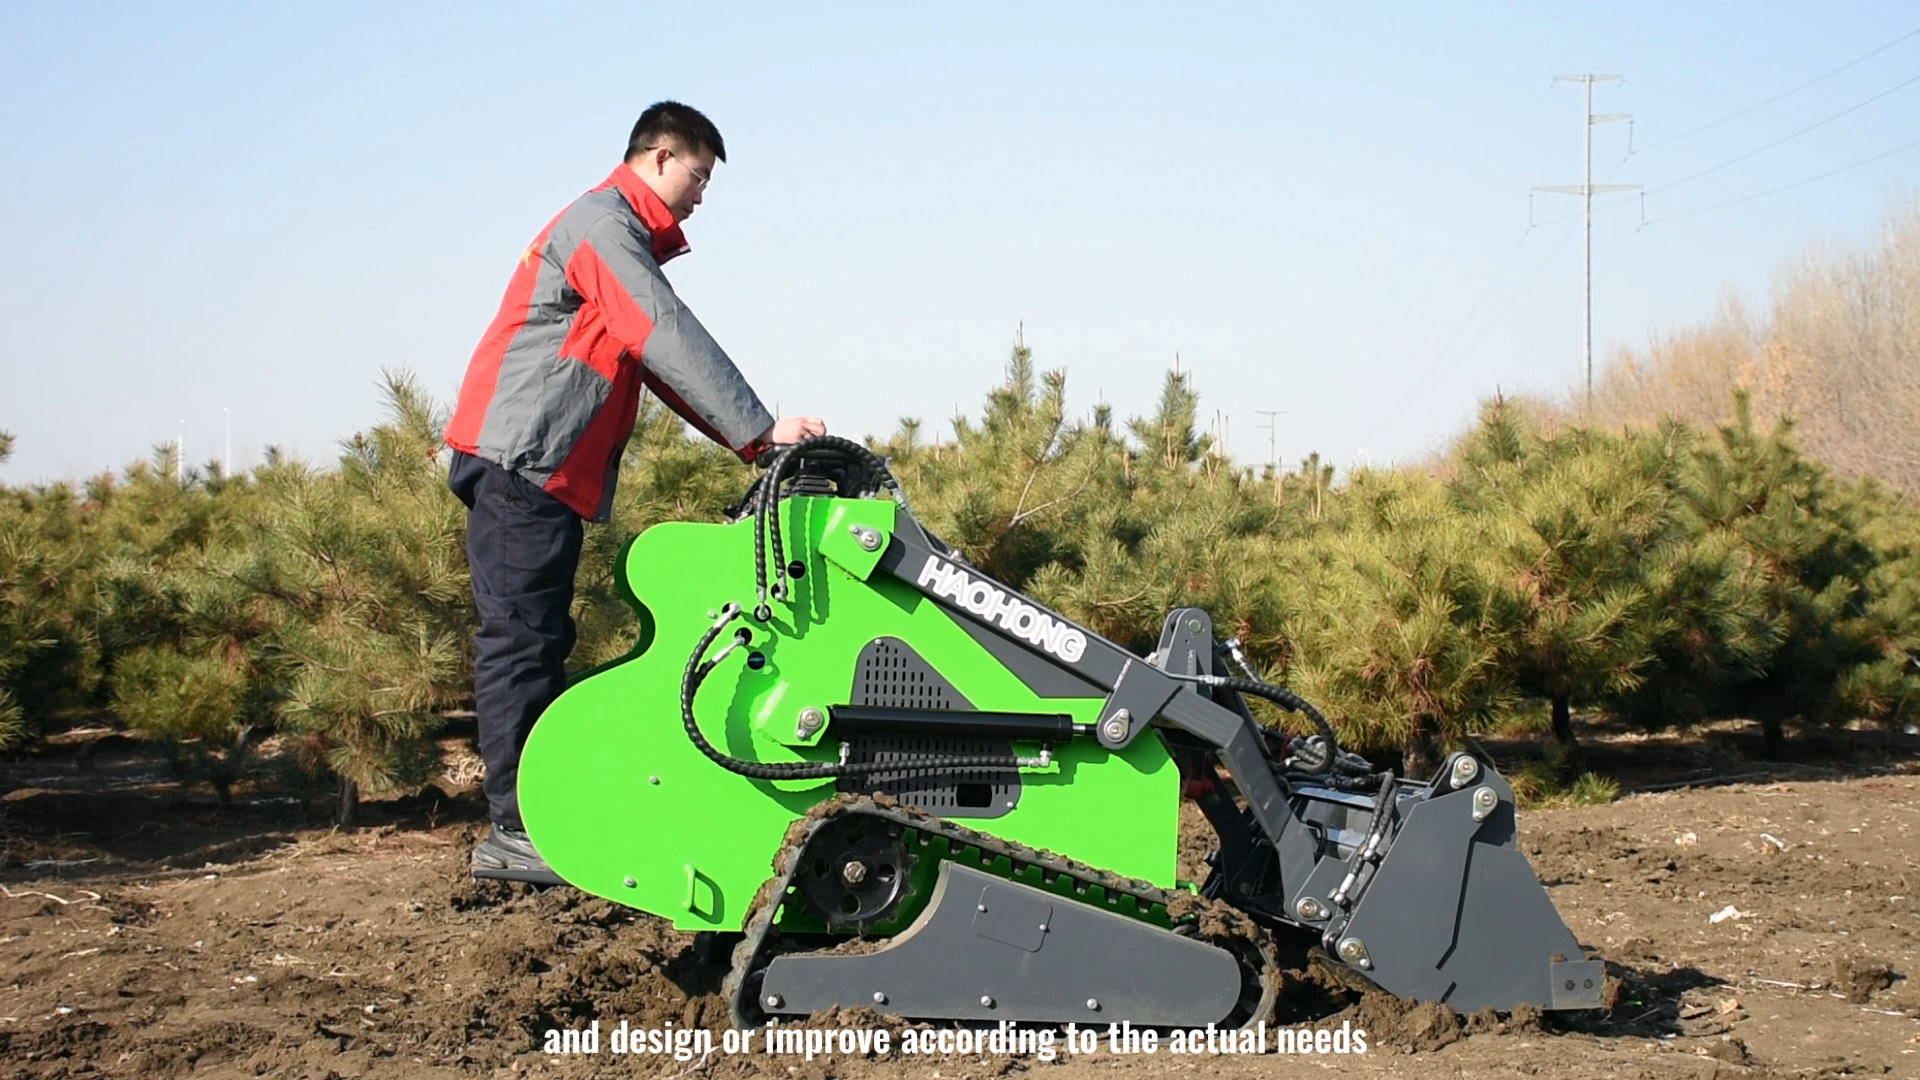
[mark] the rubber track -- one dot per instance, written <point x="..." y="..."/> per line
<point x="1251" y="946"/>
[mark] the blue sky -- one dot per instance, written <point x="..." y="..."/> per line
<point x="1322" y="210"/>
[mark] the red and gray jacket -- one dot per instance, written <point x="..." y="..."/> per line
<point x="554" y="388"/>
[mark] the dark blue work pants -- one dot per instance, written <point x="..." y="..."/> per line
<point x="523" y="546"/>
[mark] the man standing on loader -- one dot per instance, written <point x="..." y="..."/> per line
<point x="548" y="403"/>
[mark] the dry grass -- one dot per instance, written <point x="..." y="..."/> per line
<point x="461" y="768"/>
<point x="1837" y="348"/>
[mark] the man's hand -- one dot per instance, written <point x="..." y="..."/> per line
<point x="792" y="429"/>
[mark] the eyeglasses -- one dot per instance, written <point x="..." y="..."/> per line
<point x="700" y="179"/>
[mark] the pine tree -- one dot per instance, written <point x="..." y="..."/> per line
<point x="1396" y="642"/>
<point x="1715" y="631"/>
<point x="1172" y="436"/>
<point x="1012" y="489"/>
<point x="49" y="658"/>
<point x="368" y="566"/>
<point x="19" y="637"/>
<point x="1800" y="537"/>
<point x="1572" y="522"/>
<point x="1660" y="577"/>
<point x="1885" y="689"/>
<point x="178" y="642"/>
<point x="1167" y="524"/>
<point x="13" y="643"/>
<point x="23" y="630"/>
<point x="332" y="605"/>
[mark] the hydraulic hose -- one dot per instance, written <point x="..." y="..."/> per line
<point x="767" y="509"/>
<point x="1338" y="760"/>
<point x="1282" y="747"/>
<point x="696" y="672"/>
<point x="1366" y="852"/>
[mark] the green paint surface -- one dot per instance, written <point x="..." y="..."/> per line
<point x="612" y="789"/>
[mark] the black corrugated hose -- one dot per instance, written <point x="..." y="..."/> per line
<point x="696" y="672"/>
<point x="1339" y="762"/>
<point x="766" y="511"/>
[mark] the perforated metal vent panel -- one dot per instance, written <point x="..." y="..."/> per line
<point x="889" y="673"/>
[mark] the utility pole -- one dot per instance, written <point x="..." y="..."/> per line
<point x="1273" y="459"/>
<point x="180" y="455"/>
<point x="1586" y="190"/>
<point x="229" y="415"/>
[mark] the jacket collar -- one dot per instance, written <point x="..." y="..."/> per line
<point x="668" y="240"/>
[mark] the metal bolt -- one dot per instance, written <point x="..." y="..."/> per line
<point x="854" y="872"/>
<point x="653" y="779"/>
<point x="980" y="907"/>
<point x="774" y="1001"/>
<point x="879" y="998"/>
<point x="1094" y="1004"/>
<point x="630" y="883"/>
<point x="1043" y="928"/>
<point x="1484" y="800"/>
<point x="1465" y="769"/>
<point x="1194" y="625"/>
<point x="1310" y="909"/>
<point x="1354" y="951"/>
<point x="810" y="721"/>
<point x="868" y="538"/>
<point x="986" y="1001"/>
<point x="1115" y="730"/>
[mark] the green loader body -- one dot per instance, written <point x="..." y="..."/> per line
<point x="623" y="806"/>
<point x="892" y="781"/>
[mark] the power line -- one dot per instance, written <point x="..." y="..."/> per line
<point x="1436" y="367"/>
<point x="1445" y="358"/>
<point x="1788" y="187"/>
<point x="1419" y="382"/>
<point x="1600" y="208"/>
<point x="1608" y="182"/>
<point x="1617" y="252"/>
<point x="1440" y="363"/>
<point x="1777" y="97"/>
<point x="1533" y="278"/>
<point x="1474" y="308"/>
<point x="1788" y="138"/>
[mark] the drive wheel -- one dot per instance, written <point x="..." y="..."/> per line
<point x="853" y="871"/>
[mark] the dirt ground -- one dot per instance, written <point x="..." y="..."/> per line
<point x="1762" y="928"/>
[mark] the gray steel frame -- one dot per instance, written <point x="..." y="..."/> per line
<point x="1458" y="916"/>
<point x="990" y="949"/>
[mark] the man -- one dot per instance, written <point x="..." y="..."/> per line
<point x="549" y="400"/>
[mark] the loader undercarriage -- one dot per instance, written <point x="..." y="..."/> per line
<point x="1005" y="933"/>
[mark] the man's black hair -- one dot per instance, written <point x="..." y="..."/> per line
<point x="682" y="125"/>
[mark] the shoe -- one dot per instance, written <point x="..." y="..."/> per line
<point x="507" y="854"/>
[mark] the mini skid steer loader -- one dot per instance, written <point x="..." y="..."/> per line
<point x="907" y="786"/>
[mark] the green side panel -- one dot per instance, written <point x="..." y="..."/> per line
<point x="613" y="791"/>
